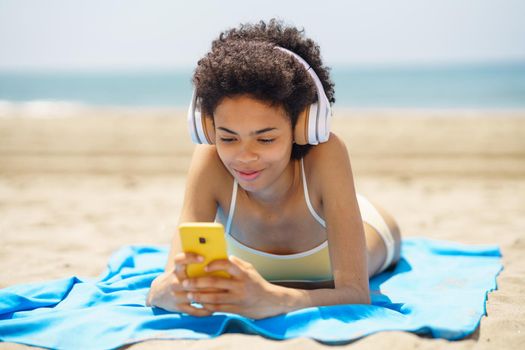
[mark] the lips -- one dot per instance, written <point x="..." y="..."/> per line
<point x="248" y="175"/>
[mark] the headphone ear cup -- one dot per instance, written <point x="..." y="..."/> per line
<point x="312" y="124"/>
<point x="192" y="118"/>
<point x="301" y="128"/>
<point x="323" y="122"/>
<point x="200" y="131"/>
<point x="209" y="129"/>
<point x="318" y="121"/>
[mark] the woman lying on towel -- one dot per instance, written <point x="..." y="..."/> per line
<point x="270" y="170"/>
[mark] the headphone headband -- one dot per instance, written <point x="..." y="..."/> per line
<point x="312" y="127"/>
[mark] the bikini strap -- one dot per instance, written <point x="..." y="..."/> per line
<point x="307" y="198"/>
<point x="232" y="207"/>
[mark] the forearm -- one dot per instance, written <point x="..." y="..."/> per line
<point x="290" y="299"/>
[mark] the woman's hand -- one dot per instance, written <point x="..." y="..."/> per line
<point x="167" y="292"/>
<point x="246" y="293"/>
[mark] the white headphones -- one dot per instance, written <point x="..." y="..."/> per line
<point x="313" y="124"/>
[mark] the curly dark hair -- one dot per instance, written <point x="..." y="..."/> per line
<point x="244" y="60"/>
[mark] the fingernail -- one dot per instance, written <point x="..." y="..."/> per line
<point x="185" y="283"/>
<point x="200" y="258"/>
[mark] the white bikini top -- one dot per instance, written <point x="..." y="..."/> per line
<point x="311" y="265"/>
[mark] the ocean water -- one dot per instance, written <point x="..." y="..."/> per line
<point x="470" y="86"/>
<point x="489" y="86"/>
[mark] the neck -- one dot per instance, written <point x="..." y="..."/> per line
<point x="281" y="190"/>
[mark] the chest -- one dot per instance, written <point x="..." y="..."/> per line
<point x="283" y="228"/>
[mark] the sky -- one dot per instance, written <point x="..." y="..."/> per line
<point x="149" y="34"/>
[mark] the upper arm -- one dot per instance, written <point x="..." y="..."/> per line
<point x="200" y="196"/>
<point x="346" y="237"/>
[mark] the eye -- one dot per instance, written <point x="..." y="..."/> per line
<point x="227" y="139"/>
<point x="266" y="140"/>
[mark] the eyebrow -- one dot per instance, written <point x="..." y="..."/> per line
<point x="257" y="132"/>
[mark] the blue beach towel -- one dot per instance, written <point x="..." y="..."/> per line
<point x="438" y="288"/>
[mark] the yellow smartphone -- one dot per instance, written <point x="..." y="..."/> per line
<point x="206" y="239"/>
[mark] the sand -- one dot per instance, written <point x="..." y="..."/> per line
<point x="77" y="185"/>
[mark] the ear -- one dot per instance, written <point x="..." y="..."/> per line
<point x="301" y="128"/>
<point x="209" y="128"/>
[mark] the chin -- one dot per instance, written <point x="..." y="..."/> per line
<point x="252" y="186"/>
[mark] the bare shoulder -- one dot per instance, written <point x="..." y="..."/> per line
<point x="207" y="170"/>
<point x="205" y="157"/>
<point x="334" y="147"/>
<point x="328" y="160"/>
<point x="204" y="185"/>
<point x="328" y="171"/>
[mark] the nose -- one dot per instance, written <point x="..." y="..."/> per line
<point x="247" y="154"/>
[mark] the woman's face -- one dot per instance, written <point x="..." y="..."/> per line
<point x="254" y="141"/>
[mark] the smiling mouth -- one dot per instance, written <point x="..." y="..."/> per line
<point x="248" y="172"/>
<point x="248" y="175"/>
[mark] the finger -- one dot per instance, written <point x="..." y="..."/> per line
<point x="202" y="284"/>
<point x="188" y="258"/>
<point x="233" y="268"/>
<point x="182" y="260"/>
<point x="213" y="298"/>
<point x="220" y="308"/>
<point x="185" y="287"/>
<point x="187" y="308"/>
<point x="204" y="290"/>
<point x="180" y="272"/>
<point x="184" y="297"/>
<point x="238" y="261"/>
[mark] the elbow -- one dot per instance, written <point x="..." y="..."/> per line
<point x="362" y="297"/>
<point x="355" y="296"/>
<point x="366" y="299"/>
